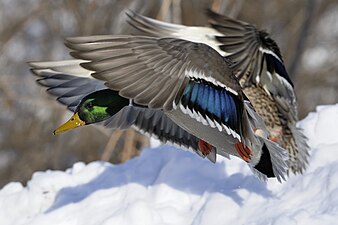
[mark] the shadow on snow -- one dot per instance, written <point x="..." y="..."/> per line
<point x="178" y="169"/>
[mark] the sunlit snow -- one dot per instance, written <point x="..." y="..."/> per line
<point x="170" y="186"/>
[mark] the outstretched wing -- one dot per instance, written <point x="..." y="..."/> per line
<point x="152" y="71"/>
<point x="256" y="57"/>
<point x="69" y="83"/>
<point x="159" y="72"/>
<point x="66" y="80"/>
<point x="156" y="28"/>
<point x="257" y="61"/>
<point x="156" y="124"/>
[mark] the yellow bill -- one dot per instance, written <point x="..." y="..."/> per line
<point x="72" y="123"/>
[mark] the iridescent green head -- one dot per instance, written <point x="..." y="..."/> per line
<point x="95" y="107"/>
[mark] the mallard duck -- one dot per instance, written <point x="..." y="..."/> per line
<point x="257" y="63"/>
<point x="188" y="82"/>
<point x="93" y="103"/>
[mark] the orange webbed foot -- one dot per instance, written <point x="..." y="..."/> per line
<point x="204" y="147"/>
<point x="274" y="138"/>
<point x="244" y="152"/>
<point x="277" y="137"/>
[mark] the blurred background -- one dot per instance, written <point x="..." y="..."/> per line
<point x="32" y="30"/>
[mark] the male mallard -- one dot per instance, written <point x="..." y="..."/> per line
<point x="190" y="83"/>
<point x="93" y="103"/>
<point x="257" y="63"/>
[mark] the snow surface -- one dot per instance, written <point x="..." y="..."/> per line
<point x="169" y="186"/>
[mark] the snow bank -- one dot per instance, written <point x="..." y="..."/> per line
<point x="170" y="186"/>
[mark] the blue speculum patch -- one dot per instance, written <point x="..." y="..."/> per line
<point x="214" y="102"/>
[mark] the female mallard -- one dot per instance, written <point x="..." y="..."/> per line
<point x="257" y="63"/>
<point x="188" y="82"/>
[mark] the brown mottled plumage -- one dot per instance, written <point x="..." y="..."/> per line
<point x="277" y="126"/>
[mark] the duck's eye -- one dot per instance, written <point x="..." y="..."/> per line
<point x="89" y="106"/>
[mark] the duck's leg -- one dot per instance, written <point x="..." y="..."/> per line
<point x="276" y="136"/>
<point x="204" y="147"/>
<point x="244" y="152"/>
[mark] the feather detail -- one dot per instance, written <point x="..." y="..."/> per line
<point x="214" y="106"/>
<point x="66" y="80"/>
<point x="155" y="123"/>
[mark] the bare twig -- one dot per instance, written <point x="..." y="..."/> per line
<point x="109" y="149"/>
<point x="216" y="5"/>
<point x="129" y="145"/>
<point x="236" y="8"/>
<point x="164" y="9"/>
<point x="176" y="12"/>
